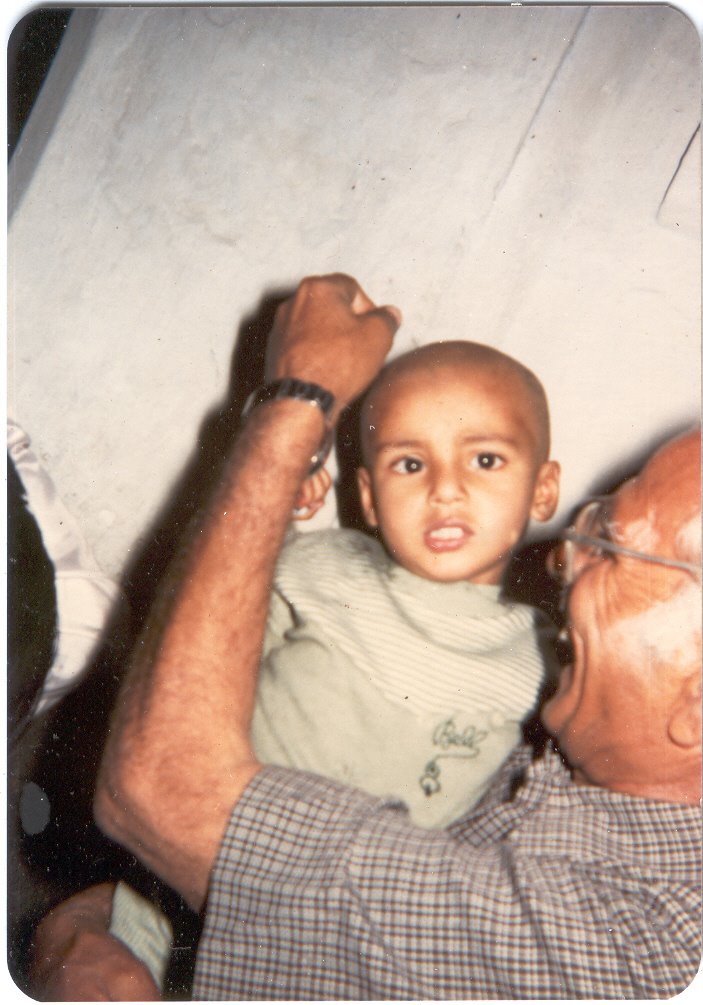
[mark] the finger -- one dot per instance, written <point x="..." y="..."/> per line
<point x="346" y="286"/>
<point x="362" y="304"/>
<point x="306" y="508"/>
<point x="339" y="283"/>
<point x="391" y="314"/>
<point x="382" y="323"/>
<point x="306" y="512"/>
<point x="304" y="497"/>
<point x="322" y="481"/>
<point x="318" y="483"/>
<point x="351" y="292"/>
<point x="312" y="492"/>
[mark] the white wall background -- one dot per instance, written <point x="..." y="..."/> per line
<point x="528" y="177"/>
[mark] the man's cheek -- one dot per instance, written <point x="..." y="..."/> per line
<point x="668" y="629"/>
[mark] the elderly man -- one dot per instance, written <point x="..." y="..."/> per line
<point x="578" y="881"/>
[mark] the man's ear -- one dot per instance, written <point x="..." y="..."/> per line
<point x="363" y="480"/>
<point x="546" y="495"/>
<point x="684" y="727"/>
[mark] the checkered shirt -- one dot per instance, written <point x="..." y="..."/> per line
<point x="556" y="891"/>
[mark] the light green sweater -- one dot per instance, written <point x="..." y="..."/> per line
<point x="398" y="685"/>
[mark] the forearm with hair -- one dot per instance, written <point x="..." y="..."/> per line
<point x="179" y="756"/>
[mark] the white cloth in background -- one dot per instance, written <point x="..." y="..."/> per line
<point x="85" y="596"/>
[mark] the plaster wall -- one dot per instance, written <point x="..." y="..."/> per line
<point x="527" y="177"/>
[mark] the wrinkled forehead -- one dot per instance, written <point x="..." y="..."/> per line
<point x="630" y="516"/>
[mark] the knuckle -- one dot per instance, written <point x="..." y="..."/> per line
<point x="310" y="283"/>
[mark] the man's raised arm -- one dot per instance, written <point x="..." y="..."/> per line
<point x="179" y="757"/>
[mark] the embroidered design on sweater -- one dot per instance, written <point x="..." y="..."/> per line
<point x="464" y="744"/>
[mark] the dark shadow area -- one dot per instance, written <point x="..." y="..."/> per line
<point x="71" y="853"/>
<point x="31" y="628"/>
<point x="348" y="446"/>
<point x="31" y="48"/>
<point x="527" y="580"/>
<point x="53" y="847"/>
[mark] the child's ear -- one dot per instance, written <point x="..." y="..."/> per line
<point x="363" y="480"/>
<point x="546" y="494"/>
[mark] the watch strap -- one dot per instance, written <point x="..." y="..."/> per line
<point x="298" y="390"/>
<point x="291" y="387"/>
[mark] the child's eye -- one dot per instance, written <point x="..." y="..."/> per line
<point x="407" y="466"/>
<point x="486" y="461"/>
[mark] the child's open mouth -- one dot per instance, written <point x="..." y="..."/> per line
<point x="447" y="536"/>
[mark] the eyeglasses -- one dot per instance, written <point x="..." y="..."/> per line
<point x="590" y="535"/>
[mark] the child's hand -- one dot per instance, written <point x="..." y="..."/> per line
<point x="312" y="495"/>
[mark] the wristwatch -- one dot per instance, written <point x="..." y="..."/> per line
<point x="299" y="390"/>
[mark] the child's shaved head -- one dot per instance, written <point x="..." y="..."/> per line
<point x="455" y="441"/>
<point x="505" y="374"/>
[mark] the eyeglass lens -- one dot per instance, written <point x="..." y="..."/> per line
<point x="591" y="521"/>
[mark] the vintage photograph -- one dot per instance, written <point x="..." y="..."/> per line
<point x="354" y="510"/>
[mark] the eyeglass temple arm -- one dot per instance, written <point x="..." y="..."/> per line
<point x="599" y="542"/>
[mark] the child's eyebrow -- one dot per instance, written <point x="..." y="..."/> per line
<point x="398" y="445"/>
<point x="492" y="439"/>
<point x="485" y="439"/>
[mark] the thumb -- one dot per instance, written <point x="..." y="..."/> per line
<point x="363" y="304"/>
<point x="390" y="316"/>
<point x="395" y="313"/>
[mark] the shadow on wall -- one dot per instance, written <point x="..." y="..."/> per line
<point x="189" y="497"/>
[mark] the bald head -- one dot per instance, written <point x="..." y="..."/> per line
<point x="673" y="489"/>
<point x="501" y="374"/>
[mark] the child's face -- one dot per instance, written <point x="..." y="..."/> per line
<point x="453" y="476"/>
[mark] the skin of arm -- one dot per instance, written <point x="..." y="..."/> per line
<point x="178" y="756"/>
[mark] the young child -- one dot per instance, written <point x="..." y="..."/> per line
<point x="393" y="663"/>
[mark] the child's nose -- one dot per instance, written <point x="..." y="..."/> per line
<point x="448" y="484"/>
